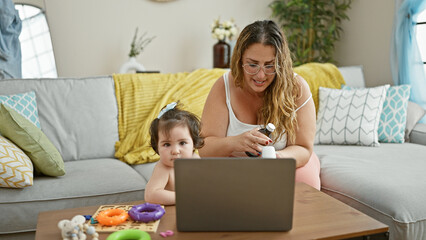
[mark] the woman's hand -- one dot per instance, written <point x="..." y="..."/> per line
<point x="215" y="122"/>
<point x="251" y="141"/>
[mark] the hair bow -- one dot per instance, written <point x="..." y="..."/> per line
<point x="169" y="106"/>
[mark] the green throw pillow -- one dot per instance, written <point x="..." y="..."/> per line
<point x="45" y="157"/>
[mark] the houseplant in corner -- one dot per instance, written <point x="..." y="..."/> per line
<point x="311" y="26"/>
<point x="136" y="47"/>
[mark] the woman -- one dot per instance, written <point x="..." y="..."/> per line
<point x="261" y="88"/>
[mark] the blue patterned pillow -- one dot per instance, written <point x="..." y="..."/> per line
<point x="394" y="114"/>
<point x="23" y="103"/>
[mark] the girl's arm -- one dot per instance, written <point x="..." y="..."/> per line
<point x="155" y="191"/>
<point x="302" y="148"/>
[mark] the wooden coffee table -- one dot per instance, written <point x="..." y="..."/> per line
<point x="316" y="216"/>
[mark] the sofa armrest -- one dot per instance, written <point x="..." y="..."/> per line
<point x="418" y="134"/>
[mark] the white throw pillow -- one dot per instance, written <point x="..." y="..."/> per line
<point x="349" y="117"/>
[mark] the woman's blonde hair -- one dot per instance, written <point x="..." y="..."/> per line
<point x="279" y="101"/>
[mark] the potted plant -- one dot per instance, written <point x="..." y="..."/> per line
<point x="311" y="27"/>
<point x="136" y="47"/>
<point x="138" y="44"/>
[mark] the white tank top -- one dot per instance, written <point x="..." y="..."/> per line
<point x="237" y="127"/>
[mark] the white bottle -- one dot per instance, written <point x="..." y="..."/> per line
<point x="267" y="131"/>
<point x="269" y="152"/>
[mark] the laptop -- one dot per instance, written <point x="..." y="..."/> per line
<point x="234" y="194"/>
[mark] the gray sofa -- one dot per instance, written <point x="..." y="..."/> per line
<point x="386" y="182"/>
<point x="79" y="116"/>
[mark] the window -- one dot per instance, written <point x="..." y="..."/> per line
<point x="421" y="36"/>
<point x="36" y="46"/>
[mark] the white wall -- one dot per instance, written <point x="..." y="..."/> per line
<point x="92" y="37"/>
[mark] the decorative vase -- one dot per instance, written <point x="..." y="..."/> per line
<point x="221" y="54"/>
<point x="131" y="65"/>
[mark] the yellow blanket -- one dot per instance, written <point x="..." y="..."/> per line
<point x="320" y="75"/>
<point x="140" y="98"/>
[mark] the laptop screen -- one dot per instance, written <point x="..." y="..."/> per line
<point x="234" y="194"/>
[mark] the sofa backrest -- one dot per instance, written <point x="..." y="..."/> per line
<point x="353" y="75"/>
<point x="78" y="115"/>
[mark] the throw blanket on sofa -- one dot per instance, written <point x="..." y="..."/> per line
<point x="140" y="98"/>
<point x="320" y="75"/>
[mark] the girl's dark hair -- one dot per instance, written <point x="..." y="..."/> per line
<point x="176" y="117"/>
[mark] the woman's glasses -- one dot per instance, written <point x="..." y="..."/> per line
<point x="252" y="69"/>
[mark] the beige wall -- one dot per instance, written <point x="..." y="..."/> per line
<point x="92" y="37"/>
<point x="366" y="40"/>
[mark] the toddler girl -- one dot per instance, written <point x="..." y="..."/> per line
<point x="175" y="133"/>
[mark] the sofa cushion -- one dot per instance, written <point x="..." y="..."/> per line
<point x="23" y="103"/>
<point x="16" y="168"/>
<point x="78" y="115"/>
<point x="349" y="116"/>
<point x="87" y="183"/>
<point x="387" y="183"/>
<point x="145" y="170"/>
<point x="353" y="75"/>
<point x="46" y="158"/>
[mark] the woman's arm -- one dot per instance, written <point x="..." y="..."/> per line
<point x="214" y="122"/>
<point x="302" y="148"/>
<point x="155" y="191"/>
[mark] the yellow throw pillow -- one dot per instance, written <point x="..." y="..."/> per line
<point x="16" y="168"/>
<point x="44" y="155"/>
